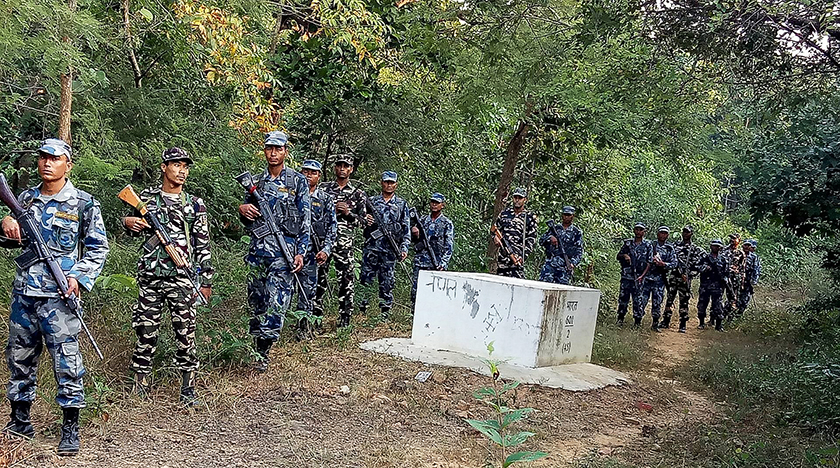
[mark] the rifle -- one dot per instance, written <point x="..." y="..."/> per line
<point x="553" y="228"/>
<point x="517" y="260"/>
<point x="727" y="284"/>
<point x="412" y="213"/>
<point x="380" y="228"/>
<point x="38" y="251"/>
<point x="628" y="244"/>
<point x="270" y="227"/>
<point x="161" y="237"/>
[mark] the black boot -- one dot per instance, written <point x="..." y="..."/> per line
<point x="383" y="313"/>
<point x="19" y="424"/>
<point x="142" y="384"/>
<point x="637" y="322"/>
<point x="719" y="324"/>
<point x="682" y="325"/>
<point x="666" y="323"/>
<point x="702" y="325"/>
<point x="304" y="330"/>
<point x="655" y="326"/>
<point x="69" y="445"/>
<point x="620" y="321"/>
<point x="343" y="320"/>
<point x="188" y="397"/>
<point x="263" y="345"/>
<point x="363" y="307"/>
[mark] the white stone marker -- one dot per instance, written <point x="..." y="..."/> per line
<point x="531" y="323"/>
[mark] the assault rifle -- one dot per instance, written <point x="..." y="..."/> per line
<point x="380" y="228"/>
<point x="726" y="282"/>
<point x="37" y="251"/>
<point x="553" y="228"/>
<point x="412" y="213"/>
<point x="516" y="259"/>
<point x="269" y="227"/>
<point x="161" y="237"/>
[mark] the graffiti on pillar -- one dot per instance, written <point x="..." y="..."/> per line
<point x="470" y="299"/>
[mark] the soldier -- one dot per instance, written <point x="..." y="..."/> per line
<point x="350" y="214"/>
<point x="517" y="232"/>
<point x="321" y="246"/>
<point x="161" y="282"/>
<point x="378" y="256"/>
<point x="679" y="281"/>
<point x="270" y="280"/>
<point x="752" y="271"/>
<point x="72" y="227"/>
<point x="662" y="261"/>
<point x="558" y="251"/>
<point x="735" y="258"/>
<point x="634" y="257"/>
<point x="441" y="235"/>
<point x="714" y="269"/>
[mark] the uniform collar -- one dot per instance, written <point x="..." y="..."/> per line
<point x="267" y="175"/>
<point x="66" y="192"/>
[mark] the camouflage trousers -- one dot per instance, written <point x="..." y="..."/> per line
<point x="345" y="270"/>
<point x="653" y="291"/>
<point x="379" y="265"/>
<point x="155" y="293"/>
<point x="732" y="300"/>
<point x="270" y="290"/>
<point x="553" y="274"/>
<point x="677" y="287"/>
<point x="309" y="279"/>
<point x="710" y="294"/>
<point x="744" y="298"/>
<point x="34" y="321"/>
<point x="628" y="289"/>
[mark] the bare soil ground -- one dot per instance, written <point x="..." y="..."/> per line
<point x="298" y="414"/>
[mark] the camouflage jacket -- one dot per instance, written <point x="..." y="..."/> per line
<point x="394" y="213"/>
<point x="324" y="223"/>
<point x="666" y="254"/>
<point x="519" y="232"/>
<point x="441" y="234"/>
<point x="641" y="253"/>
<point x="185" y="220"/>
<point x="714" y="269"/>
<point x="355" y="199"/>
<point x="72" y="226"/>
<point x="689" y="256"/>
<point x="736" y="259"/>
<point x="288" y="196"/>
<point x="572" y="240"/>
<point x="752" y="268"/>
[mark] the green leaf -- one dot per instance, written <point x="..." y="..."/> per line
<point x="516" y="439"/>
<point x="486" y="428"/>
<point x="510" y="386"/>
<point x="515" y="415"/>
<point x="145" y="13"/>
<point x="523" y="457"/>
<point x="490" y="348"/>
<point x="485" y="392"/>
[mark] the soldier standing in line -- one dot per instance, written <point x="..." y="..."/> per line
<point x="563" y="254"/>
<point x="350" y="214"/>
<point x="714" y="269"/>
<point x="663" y="260"/>
<point x="161" y="282"/>
<point x="735" y="258"/>
<point x="516" y="233"/>
<point x="378" y="256"/>
<point x="441" y="236"/>
<point x="72" y="227"/>
<point x="679" y="281"/>
<point x="321" y="246"/>
<point x="634" y="257"/>
<point x="752" y="272"/>
<point x="270" y="280"/>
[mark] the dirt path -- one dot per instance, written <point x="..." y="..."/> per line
<point x="318" y="406"/>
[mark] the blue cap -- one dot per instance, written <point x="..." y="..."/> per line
<point x="688" y="228"/>
<point x="640" y="225"/>
<point x="752" y="242"/>
<point x="520" y="192"/>
<point x="56" y="147"/>
<point x="664" y="229"/>
<point x="176" y="154"/>
<point x="717" y="242"/>
<point x="568" y="209"/>
<point x="437" y="197"/>
<point x="276" y="138"/>
<point x="311" y="164"/>
<point x="389" y="176"/>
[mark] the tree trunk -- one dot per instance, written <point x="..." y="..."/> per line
<point x="508" y="169"/>
<point x="66" y="95"/>
<point x="129" y="40"/>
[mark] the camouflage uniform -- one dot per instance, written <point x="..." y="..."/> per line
<point x="270" y="279"/>
<point x="736" y="259"/>
<point x="642" y="254"/>
<point x="520" y="233"/>
<point x="554" y="270"/>
<point x="378" y="258"/>
<point x="162" y="283"/>
<point x="324" y="226"/>
<point x="752" y="272"/>
<point x="441" y="234"/>
<point x="714" y="270"/>
<point x="689" y="256"/>
<point x="73" y="229"/>
<point x="653" y="288"/>
<point x="343" y="250"/>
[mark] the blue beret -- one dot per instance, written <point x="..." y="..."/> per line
<point x="276" y="138"/>
<point x="56" y="147"/>
<point x="311" y="164"/>
<point x="389" y="176"/>
<point x="438" y="197"/>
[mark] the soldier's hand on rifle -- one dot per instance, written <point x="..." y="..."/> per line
<point x="497" y="241"/>
<point x="135" y="224"/>
<point x="415" y="233"/>
<point x="298" y="263"/>
<point x="553" y="240"/>
<point x="249" y="211"/>
<point x="517" y="260"/>
<point x="627" y="256"/>
<point x="403" y="255"/>
<point x="73" y="287"/>
<point x="342" y="207"/>
<point x="321" y="257"/>
<point x="11" y="228"/>
<point x="369" y="220"/>
<point x="206" y="291"/>
<point x="640" y="278"/>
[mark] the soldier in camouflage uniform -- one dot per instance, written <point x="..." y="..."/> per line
<point x="662" y="261"/>
<point x="324" y="227"/>
<point x="555" y="269"/>
<point x="679" y="281"/>
<point x="634" y="257"/>
<point x="518" y="228"/>
<point x="752" y="271"/>
<point x="161" y="282"/>
<point x="350" y="214"/>
<point x="736" y="259"/>
<point x="714" y="269"/>
<point x="271" y="281"/>
<point x="441" y="234"/>
<point x="72" y="227"/>
<point x="378" y="256"/>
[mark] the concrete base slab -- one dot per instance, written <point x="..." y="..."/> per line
<point x="574" y="377"/>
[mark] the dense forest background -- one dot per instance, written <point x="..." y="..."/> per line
<point x="723" y="114"/>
